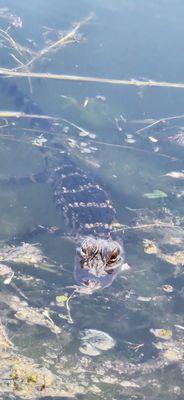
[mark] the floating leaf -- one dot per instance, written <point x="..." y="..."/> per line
<point x="156" y="194"/>
<point x="94" y="341"/>
<point x="61" y="299"/>
<point x="149" y="247"/>
<point x="165" y="334"/>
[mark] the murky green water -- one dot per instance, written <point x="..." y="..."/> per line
<point x="133" y="140"/>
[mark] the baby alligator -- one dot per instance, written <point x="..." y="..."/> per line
<point x="85" y="205"/>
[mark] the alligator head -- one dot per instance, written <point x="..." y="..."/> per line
<point x="97" y="263"/>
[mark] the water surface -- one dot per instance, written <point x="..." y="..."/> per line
<point x="123" y="40"/>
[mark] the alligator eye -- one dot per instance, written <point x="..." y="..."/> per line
<point x="114" y="255"/>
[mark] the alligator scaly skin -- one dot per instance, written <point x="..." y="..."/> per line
<point x="85" y="204"/>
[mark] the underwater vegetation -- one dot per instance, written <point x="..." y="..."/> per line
<point x="59" y="338"/>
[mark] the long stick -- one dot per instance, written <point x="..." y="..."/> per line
<point x="91" y="79"/>
<point x="19" y="114"/>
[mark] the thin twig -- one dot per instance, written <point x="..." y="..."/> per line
<point x="160" y="120"/>
<point x="135" y="149"/>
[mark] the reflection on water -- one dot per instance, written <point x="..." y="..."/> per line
<point x="125" y="341"/>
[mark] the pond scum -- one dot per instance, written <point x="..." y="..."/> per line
<point x="55" y="373"/>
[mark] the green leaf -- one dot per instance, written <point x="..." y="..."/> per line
<point x="61" y="299"/>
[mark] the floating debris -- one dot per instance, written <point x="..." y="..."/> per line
<point x="168" y="288"/>
<point x="39" y="141"/>
<point x="165" y="334"/>
<point x="92" y="136"/>
<point x="83" y="133"/>
<point x="177" y="258"/>
<point x="156" y="194"/>
<point x="94" y="342"/>
<point x="129" y="139"/>
<point x="175" y="174"/>
<point x="149" y="247"/>
<point x="153" y="139"/>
